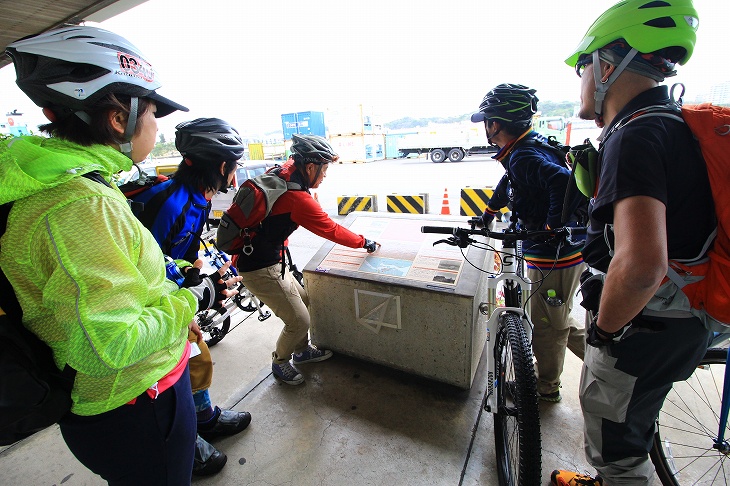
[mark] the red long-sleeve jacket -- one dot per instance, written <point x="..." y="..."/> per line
<point x="293" y="209"/>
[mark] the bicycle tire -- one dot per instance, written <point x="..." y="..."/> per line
<point x="683" y="451"/>
<point x="212" y="333"/>
<point x="517" y="419"/>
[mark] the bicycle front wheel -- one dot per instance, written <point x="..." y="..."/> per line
<point x="214" y="329"/>
<point x="685" y="450"/>
<point x="517" y="418"/>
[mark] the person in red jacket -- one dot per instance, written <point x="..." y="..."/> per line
<point x="264" y="271"/>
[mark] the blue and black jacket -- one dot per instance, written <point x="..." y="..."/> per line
<point x="175" y="214"/>
<point x="535" y="182"/>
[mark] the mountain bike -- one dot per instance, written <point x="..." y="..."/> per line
<point x="511" y="393"/>
<point x="215" y="323"/>
<point x="691" y="444"/>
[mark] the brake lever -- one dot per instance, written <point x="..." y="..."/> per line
<point x="449" y="241"/>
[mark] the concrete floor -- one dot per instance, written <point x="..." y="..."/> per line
<point x="351" y="423"/>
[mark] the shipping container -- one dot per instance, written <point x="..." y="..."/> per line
<point x="391" y="144"/>
<point x="359" y="148"/>
<point x="354" y="120"/>
<point x="303" y="123"/>
<point x="289" y="125"/>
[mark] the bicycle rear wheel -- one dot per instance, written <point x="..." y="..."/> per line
<point x="517" y="418"/>
<point x="684" y="449"/>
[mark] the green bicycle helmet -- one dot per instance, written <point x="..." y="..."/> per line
<point x="646" y="25"/>
<point x="508" y="103"/>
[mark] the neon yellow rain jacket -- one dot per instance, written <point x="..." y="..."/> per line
<point x="89" y="277"/>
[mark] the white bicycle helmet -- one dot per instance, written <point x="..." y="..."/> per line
<point x="71" y="68"/>
<point x="313" y="149"/>
<point x="75" y="66"/>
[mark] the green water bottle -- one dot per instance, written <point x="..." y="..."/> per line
<point x="553" y="299"/>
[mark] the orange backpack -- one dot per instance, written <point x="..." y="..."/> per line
<point x="704" y="281"/>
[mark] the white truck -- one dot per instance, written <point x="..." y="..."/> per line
<point x="440" y="146"/>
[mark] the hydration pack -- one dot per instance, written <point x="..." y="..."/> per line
<point x="575" y="204"/>
<point x="251" y="204"/>
<point x="701" y="286"/>
<point x="34" y="393"/>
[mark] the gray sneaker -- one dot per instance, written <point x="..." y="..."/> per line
<point x="311" y="355"/>
<point x="287" y="373"/>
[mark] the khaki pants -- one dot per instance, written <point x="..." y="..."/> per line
<point x="201" y="366"/>
<point x="289" y="302"/>
<point x="554" y="329"/>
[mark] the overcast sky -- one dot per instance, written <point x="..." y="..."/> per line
<point x="250" y="61"/>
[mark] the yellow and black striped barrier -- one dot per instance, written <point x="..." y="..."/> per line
<point x="348" y="204"/>
<point x="474" y="200"/>
<point x="413" y="204"/>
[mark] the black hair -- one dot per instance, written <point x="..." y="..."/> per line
<point x="68" y="126"/>
<point x="203" y="175"/>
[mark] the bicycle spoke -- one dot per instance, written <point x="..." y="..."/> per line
<point x="687" y="428"/>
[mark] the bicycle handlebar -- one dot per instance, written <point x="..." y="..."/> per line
<point x="460" y="236"/>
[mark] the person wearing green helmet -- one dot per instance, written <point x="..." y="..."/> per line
<point x="651" y="202"/>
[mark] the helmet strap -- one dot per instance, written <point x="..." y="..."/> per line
<point x="316" y="174"/>
<point x="490" y="137"/>
<point x="126" y="147"/>
<point x="602" y="86"/>
<point x="83" y="115"/>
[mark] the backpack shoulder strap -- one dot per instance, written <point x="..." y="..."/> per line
<point x="671" y="111"/>
<point x="8" y="303"/>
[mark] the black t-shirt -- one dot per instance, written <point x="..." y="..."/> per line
<point x="657" y="157"/>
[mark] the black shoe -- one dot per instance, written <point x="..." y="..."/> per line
<point x="213" y="462"/>
<point x="228" y="422"/>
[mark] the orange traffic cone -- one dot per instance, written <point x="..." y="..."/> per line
<point x="445" y="207"/>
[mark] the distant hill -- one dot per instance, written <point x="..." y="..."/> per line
<point x="547" y="108"/>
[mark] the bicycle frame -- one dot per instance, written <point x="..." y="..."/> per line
<point x="218" y="259"/>
<point x="509" y="277"/>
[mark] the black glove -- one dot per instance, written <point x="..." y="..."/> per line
<point x="598" y="338"/>
<point x="192" y="277"/>
<point x="209" y="292"/>
<point x="370" y="245"/>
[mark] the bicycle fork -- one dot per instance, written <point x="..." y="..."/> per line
<point x="720" y="443"/>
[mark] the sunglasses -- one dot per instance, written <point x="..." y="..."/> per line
<point x="580" y="66"/>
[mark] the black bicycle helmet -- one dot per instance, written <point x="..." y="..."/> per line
<point x="508" y="103"/>
<point x="208" y="139"/>
<point x="312" y="149"/>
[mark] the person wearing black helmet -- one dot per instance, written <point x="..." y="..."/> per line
<point x="175" y="212"/>
<point x="652" y="202"/>
<point x="89" y="277"/>
<point x="535" y="182"/>
<point x="262" y="270"/>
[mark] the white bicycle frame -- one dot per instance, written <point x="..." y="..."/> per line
<point x="508" y="271"/>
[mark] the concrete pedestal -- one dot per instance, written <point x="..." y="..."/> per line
<point x="410" y="305"/>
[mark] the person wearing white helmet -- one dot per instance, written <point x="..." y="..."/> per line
<point x="651" y="202"/>
<point x="264" y="271"/>
<point x="89" y="277"/>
